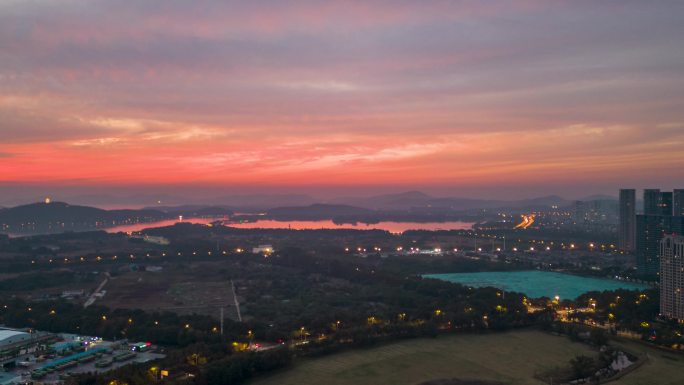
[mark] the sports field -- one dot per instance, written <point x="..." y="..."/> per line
<point x="512" y="358"/>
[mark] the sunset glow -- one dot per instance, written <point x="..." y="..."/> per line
<point x="462" y="94"/>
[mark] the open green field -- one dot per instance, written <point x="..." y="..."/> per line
<point x="511" y="358"/>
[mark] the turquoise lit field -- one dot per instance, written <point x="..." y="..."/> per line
<point x="537" y="283"/>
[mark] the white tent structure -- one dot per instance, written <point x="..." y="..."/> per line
<point x="9" y="337"/>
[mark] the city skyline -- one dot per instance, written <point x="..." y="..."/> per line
<point x="508" y="99"/>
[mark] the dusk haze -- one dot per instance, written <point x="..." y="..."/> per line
<point x="304" y="192"/>
<point x="468" y="98"/>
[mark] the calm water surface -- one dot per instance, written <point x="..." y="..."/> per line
<point x="395" y="227"/>
<point x="537" y="283"/>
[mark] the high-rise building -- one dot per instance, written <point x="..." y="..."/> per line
<point x="650" y="230"/>
<point x="627" y="225"/>
<point x="672" y="277"/>
<point x="665" y="203"/>
<point x="678" y="202"/>
<point x="658" y="220"/>
<point x="651" y="201"/>
<point x="657" y="202"/>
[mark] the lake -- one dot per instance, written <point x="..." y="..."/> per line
<point x="394" y="227"/>
<point x="537" y="283"/>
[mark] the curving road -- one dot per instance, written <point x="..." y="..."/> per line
<point x="527" y="221"/>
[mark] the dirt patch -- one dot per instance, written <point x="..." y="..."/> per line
<point x="155" y="292"/>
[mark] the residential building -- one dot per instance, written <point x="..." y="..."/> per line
<point x="678" y="202"/>
<point x="650" y="230"/>
<point x="627" y="221"/>
<point x="672" y="277"/>
<point x="651" y="201"/>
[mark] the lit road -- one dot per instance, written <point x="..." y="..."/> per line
<point x="527" y="221"/>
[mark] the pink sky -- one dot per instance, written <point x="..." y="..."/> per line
<point x="464" y="95"/>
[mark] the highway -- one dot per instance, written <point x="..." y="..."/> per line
<point x="527" y="221"/>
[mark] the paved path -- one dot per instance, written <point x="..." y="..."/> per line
<point x="92" y="297"/>
<point x="237" y="303"/>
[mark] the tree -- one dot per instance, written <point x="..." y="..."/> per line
<point x="582" y="366"/>
<point x="598" y="337"/>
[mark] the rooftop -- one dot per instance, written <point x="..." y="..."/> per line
<point x="7" y="333"/>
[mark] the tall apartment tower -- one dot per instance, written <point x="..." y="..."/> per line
<point x="657" y="202"/>
<point x="672" y="277"/>
<point x="651" y="227"/>
<point x="665" y="203"/>
<point x="627" y="228"/>
<point x="651" y="201"/>
<point x="650" y="230"/>
<point x="678" y="202"/>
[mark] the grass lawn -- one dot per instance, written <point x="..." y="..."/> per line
<point x="511" y="358"/>
<point x="662" y="368"/>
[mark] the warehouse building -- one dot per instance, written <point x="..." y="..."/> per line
<point x="10" y="339"/>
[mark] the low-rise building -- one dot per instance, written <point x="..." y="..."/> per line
<point x="11" y="339"/>
<point x="263" y="249"/>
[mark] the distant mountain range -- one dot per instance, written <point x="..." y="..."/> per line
<point x="60" y="211"/>
<point x="258" y="202"/>
<point x="408" y="206"/>
<point x="193" y="210"/>
<point x="317" y="211"/>
<point x="266" y="201"/>
<point x="60" y="216"/>
<point x="416" y="199"/>
<point x="262" y="202"/>
<point x="599" y="197"/>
